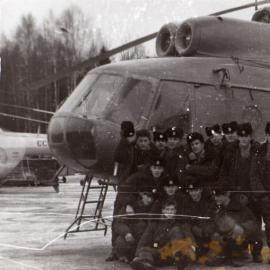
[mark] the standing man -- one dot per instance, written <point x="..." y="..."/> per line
<point x="230" y="132"/>
<point x="235" y="175"/>
<point x="215" y="142"/>
<point x="175" y="155"/>
<point x="202" y="167"/>
<point x="159" y="139"/>
<point x="260" y="181"/>
<point x="124" y="160"/>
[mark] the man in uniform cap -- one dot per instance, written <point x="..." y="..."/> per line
<point x="160" y="139"/>
<point x="124" y="152"/>
<point x="152" y="176"/>
<point x="176" y="154"/>
<point x="214" y="134"/>
<point x="260" y="181"/>
<point x="130" y="226"/>
<point x="164" y="243"/>
<point x="215" y="143"/>
<point x="123" y="168"/>
<point x="230" y="131"/>
<point x="144" y="150"/>
<point x="236" y="227"/>
<point x="127" y="129"/>
<point x="235" y="174"/>
<point x="202" y="167"/>
<point x="170" y="189"/>
<point x="198" y="204"/>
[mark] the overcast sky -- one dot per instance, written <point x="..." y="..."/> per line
<point x="119" y="20"/>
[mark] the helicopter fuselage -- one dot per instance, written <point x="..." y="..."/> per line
<point x="191" y="92"/>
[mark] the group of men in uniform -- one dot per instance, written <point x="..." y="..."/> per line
<point x="182" y="199"/>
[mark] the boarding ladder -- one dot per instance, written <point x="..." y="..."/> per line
<point x="91" y="216"/>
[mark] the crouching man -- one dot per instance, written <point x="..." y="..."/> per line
<point x="236" y="227"/>
<point x="164" y="242"/>
<point x="131" y="224"/>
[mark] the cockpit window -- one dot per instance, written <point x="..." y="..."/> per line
<point x="130" y="104"/>
<point x="110" y="96"/>
<point x="101" y="95"/>
<point x="79" y="93"/>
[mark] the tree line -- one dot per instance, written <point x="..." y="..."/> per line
<point x="37" y="51"/>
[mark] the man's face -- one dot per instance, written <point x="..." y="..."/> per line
<point x="231" y="137"/>
<point x="156" y="171"/>
<point x="216" y="138"/>
<point x="244" y="141"/>
<point x="197" y="146"/>
<point x="143" y="143"/>
<point x="173" y="142"/>
<point x="222" y="199"/>
<point x="146" y="198"/>
<point x="195" y="194"/>
<point x="170" y="190"/>
<point x="160" y="145"/>
<point x="169" y="211"/>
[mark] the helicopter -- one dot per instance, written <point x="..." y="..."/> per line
<point x="15" y="146"/>
<point x="209" y="70"/>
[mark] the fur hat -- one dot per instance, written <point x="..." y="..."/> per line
<point x="244" y="130"/>
<point x="159" y="136"/>
<point x="127" y="129"/>
<point x="169" y="180"/>
<point x="213" y="129"/>
<point x="143" y="133"/>
<point x="174" y="132"/>
<point x="157" y="161"/>
<point x="229" y="128"/>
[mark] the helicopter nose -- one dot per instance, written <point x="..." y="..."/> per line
<point x="71" y="139"/>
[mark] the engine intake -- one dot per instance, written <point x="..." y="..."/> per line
<point x="165" y="40"/>
<point x="217" y="36"/>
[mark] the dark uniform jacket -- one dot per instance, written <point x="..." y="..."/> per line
<point x="175" y="162"/>
<point x="124" y="155"/>
<point x="134" y="224"/>
<point x="217" y="150"/>
<point x="199" y="214"/>
<point x="142" y="158"/>
<point x="242" y="216"/>
<point x="202" y="170"/>
<point x="235" y="170"/>
<point x="260" y="170"/>
<point x="135" y="183"/>
<point x="158" y="233"/>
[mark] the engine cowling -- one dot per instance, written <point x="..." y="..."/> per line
<point x="165" y="40"/>
<point x="225" y="37"/>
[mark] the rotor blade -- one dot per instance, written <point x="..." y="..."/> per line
<point x="23" y="118"/>
<point x="90" y="62"/>
<point x="253" y="4"/>
<point x="119" y="49"/>
<point x="25" y="108"/>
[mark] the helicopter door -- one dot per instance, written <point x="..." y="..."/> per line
<point x="172" y="107"/>
<point x="212" y="106"/>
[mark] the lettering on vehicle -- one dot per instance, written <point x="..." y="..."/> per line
<point x="41" y="143"/>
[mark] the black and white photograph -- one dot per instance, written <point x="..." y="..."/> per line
<point x="134" y="134"/>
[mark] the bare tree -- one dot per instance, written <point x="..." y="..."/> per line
<point x="136" y="52"/>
